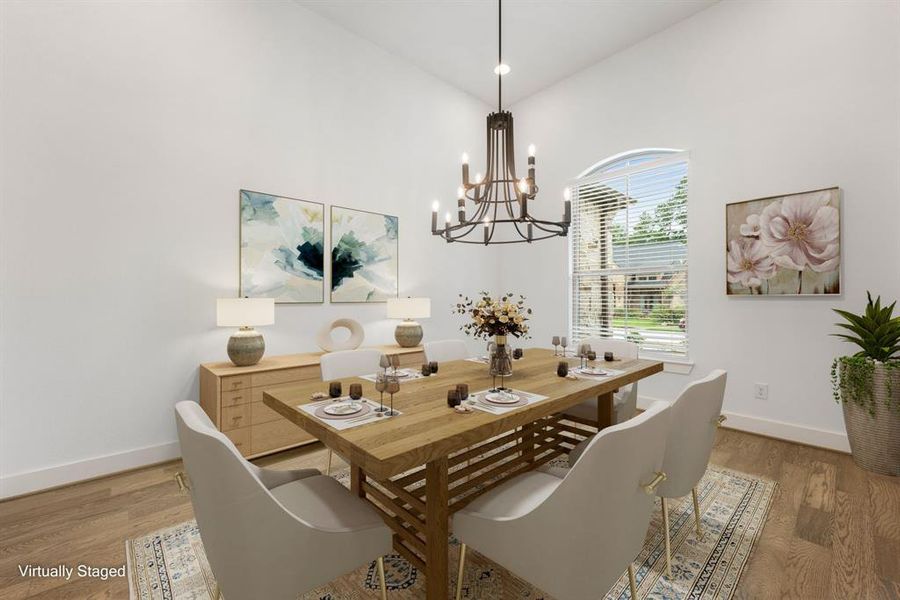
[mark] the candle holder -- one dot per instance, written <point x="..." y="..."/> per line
<point x="433" y="366"/>
<point x="426" y="369"/>
<point x="334" y="389"/>
<point x="608" y="356"/>
<point x="518" y="353"/>
<point x="356" y="391"/>
<point x="562" y="369"/>
<point x="592" y="356"/>
<point x="453" y="398"/>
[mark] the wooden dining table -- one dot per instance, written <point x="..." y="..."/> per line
<point x="421" y="466"/>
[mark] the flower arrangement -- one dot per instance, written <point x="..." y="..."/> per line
<point x="490" y="317"/>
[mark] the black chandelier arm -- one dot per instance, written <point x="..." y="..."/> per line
<point x="516" y="241"/>
<point x="551" y="227"/>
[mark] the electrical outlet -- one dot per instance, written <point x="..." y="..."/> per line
<point x="761" y="391"/>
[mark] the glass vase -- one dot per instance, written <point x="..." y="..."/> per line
<point x="501" y="361"/>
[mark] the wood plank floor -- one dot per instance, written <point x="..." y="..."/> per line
<point x="833" y="530"/>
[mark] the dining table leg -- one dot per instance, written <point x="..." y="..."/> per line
<point x="437" y="529"/>
<point x="357" y="478"/>
<point x="605" y="410"/>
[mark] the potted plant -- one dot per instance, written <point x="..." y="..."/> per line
<point x="867" y="385"/>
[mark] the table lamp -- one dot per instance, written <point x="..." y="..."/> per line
<point x="246" y="347"/>
<point x="408" y="333"/>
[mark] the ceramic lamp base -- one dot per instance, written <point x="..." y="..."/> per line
<point x="408" y="334"/>
<point x="246" y="347"/>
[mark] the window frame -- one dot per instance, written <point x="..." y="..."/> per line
<point x="597" y="173"/>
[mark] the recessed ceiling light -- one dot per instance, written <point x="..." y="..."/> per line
<point x="501" y="69"/>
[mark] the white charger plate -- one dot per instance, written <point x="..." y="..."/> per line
<point x="497" y="398"/>
<point x="342" y="409"/>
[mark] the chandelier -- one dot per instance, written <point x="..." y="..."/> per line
<point x="500" y="197"/>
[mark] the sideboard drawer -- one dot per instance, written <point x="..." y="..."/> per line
<point x="241" y="439"/>
<point x="236" y="398"/>
<point x="276" y="434"/>
<point x="234" y="417"/>
<point x="235" y="382"/>
<point x="267" y="378"/>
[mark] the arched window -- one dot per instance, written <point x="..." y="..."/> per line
<point x="628" y="250"/>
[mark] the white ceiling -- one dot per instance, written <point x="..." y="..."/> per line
<point x="543" y="41"/>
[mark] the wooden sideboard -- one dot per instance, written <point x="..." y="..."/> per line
<point x="232" y="397"/>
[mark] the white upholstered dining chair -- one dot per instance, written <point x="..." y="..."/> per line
<point x="625" y="399"/>
<point x="572" y="536"/>
<point x="272" y="534"/>
<point x="696" y="414"/>
<point x="446" y="350"/>
<point x="348" y="363"/>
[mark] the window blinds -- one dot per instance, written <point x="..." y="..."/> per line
<point x="628" y="253"/>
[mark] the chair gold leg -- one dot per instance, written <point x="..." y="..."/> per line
<point x="462" y="568"/>
<point x="696" y="513"/>
<point x="328" y="468"/>
<point x="631" y="583"/>
<point x="665" y="514"/>
<point x="381" y="578"/>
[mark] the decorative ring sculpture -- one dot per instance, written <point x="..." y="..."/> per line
<point x="327" y="343"/>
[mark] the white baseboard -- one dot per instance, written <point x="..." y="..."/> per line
<point x="832" y="440"/>
<point x="33" y="481"/>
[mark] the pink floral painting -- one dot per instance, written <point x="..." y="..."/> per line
<point x="784" y="245"/>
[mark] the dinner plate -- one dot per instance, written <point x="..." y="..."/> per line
<point x="400" y="374"/>
<point x="497" y="398"/>
<point x="593" y="371"/>
<point x="341" y="409"/>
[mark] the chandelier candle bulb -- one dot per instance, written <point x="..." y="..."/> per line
<point x="434" y="213"/>
<point x="465" y="168"/>
<point x="531" y="150"/>
<point x="487" y="231"/>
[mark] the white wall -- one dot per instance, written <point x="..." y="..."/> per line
<point x="770" y="98"/>
<point x="128" y="129"/>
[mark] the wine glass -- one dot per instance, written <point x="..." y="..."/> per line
<point x="395" y="362"/>
<point x="555" y="343"/>
<point x="563" y="341"/>
<point x="392" y="387"/>
<point x="384" y="362"/>
<point x="380" y="386"/>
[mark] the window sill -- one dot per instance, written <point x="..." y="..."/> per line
<point x="673" y="365"/>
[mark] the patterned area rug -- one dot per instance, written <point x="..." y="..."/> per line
<point x="170" y="564"/>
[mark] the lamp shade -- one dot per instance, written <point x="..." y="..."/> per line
<point x="408" y="308"/>
<point x="245" y="312"/>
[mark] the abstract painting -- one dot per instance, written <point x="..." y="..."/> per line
<point x="784" y="245"/>
<point x="364" y="256"/>
<point x="282" y="248"/>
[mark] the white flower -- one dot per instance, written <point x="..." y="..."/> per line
<point x="802" y="232"/>
<point x="751" y="227"/>
<point x="749" y="262"/>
